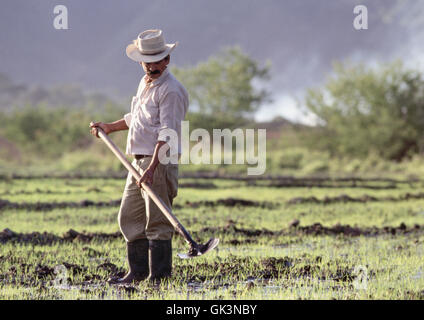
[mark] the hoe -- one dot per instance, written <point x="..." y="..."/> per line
<point x="195" y="248"/>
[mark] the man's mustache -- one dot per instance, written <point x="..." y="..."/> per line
<point x="153" y="72"/>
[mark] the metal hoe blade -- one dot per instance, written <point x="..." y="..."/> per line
<point x="197" y="250"/>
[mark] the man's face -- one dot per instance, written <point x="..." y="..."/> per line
<point x="154" y="69"/>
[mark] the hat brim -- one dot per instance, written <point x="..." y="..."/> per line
<point x="134" y="54"/>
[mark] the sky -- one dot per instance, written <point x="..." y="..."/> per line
<point x="300" y="38"/>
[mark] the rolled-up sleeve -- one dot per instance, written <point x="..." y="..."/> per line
<point x="172" y="109"/>
<point x="127" y="118"/>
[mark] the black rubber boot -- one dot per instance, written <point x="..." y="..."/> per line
<point x="138" y="262"/>
<point x="160" y="260"/>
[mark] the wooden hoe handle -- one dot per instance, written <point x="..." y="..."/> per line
<point x="162" y="206"/>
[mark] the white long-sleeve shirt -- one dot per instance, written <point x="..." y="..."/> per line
<point x="157" y="107"/>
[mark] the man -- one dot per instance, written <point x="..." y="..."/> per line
<point x="160" y="105"/>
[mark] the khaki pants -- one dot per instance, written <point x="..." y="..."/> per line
<point x="139" y="217"/>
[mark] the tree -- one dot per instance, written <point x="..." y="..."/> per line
<point x="222" y="90"/>
<point x="375" y="110"/>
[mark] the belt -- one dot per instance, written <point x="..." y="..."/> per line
<point x="141" y="156"/>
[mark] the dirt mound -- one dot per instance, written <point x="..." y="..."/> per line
<point x="347" y="230"/>
<point x="34" y="237"/>
<point x="273" y="267"/>
<point x="42" y="275"/>
<point x="266" y="269"/>
<point x="231" y="202"/>
<point x="346" y="198"/>
<point x="231" y="228"/>
<point x="292" y="179"/>
<point x="46" y="238"/>
<point x="320" y="184"/>
<point x="47" y="206"/>
<point x="195" y="185"/>
<point x="316" y="229"/>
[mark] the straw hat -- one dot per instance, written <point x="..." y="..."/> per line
<point x="149" y="46"/>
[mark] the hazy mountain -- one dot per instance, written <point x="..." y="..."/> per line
<point x="301" y="38"/>
<point x="63" y="95"/>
